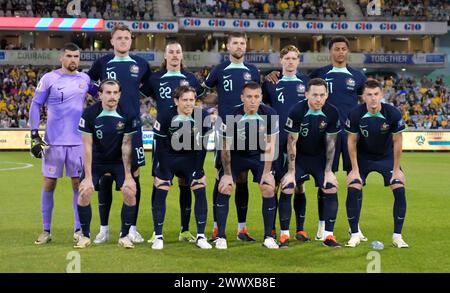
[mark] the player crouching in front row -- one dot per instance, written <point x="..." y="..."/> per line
<point x="107" y="135"/>
<point x="181" y="136"/>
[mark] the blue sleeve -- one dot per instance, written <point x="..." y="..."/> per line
<point x="314" y="74"/>
<point x="95" y="73"/>
<point x="131" y="125"/>
<point x="255" y="74"/>
<point x="334" y="125"/>
<point x="85" y="122"/>
<point x="212" y="78"/>
<point x="145" y="88"/>
<point x="360" y="88"/>
<point x="160" y="127"/>
<point x="293" y="120"/>
<point x="397" y="122"/>
<point x="266" y="93"/>
<point x="352" y="122"/>
<point x="273" y="123"/>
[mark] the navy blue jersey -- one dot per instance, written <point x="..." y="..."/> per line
<point x="284" y="95"/>
<point x="375" y="130"/>
<point x="107" y="129"/>
<point x="344" y="87"/>
<point x="131" y="72"/>
<point x="162" y="86"/>
<point x="229" y="80"/>
<point x="248" y="132"/>
<point x="172" y="126"/>
<point x="312" y="127"/>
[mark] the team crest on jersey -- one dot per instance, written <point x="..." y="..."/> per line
<point x="81" y="85"/>
<point x="120" y="125"/>
<point x="350" y="82"/>
<point x="384" y="127"/>
<point x="322" y="125"/>
<point x="51" y="170"/>
<point x="134" y="69"/>
<point x="301" y="88"/>
<point x="247" y="76"/>
<point x="184" y="82"/>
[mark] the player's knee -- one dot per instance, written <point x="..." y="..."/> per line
<point x="396" y="185"/>
<point x="267" y="191"/>
<point x="288" y="190"/>
<point x="355" y="185"/>
<point x="242" y="178"/>
<point x="331" y="190"/>
<point x="49" y="184"/>
<point x="226" y="190"/>
<point x="84" y="199"/>
<point x="162" y="184"/>
<point x="182" y="181"/>
<point x="300" y="188"/>
<point x="129" y="197"/>
<point x="197" y="185"/>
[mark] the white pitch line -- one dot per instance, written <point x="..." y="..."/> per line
<point x="23" y="166"/>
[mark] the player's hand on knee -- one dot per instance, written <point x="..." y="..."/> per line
<point x="268" y="179"/>
<point x="129" y="186"/>
<point x="86" y="188"/>
<point x="352" y="176"/>
<point x="330" y="178"/>
<point x="273" y="77"/>
<point x="288" y="181"/>
<point x="398" y="175"/>
<point x="226" y="184"/>
<point x="38" y="145"/>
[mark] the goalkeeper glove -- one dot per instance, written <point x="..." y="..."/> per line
<point x="38" y="145"/>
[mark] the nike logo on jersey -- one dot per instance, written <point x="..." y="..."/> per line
<point x="60" y="88"/>
<point x="328" y="79"/>
<point x="304" y="124"/>
<point x="98" y="126"/>
<point x="363" y="126"/>
<point x="279" y="89"/>
<point x="109" y="68"/>
<point x="163" y="83"/>
<point x="140" y="161"/>
<point x="226" y="76"/>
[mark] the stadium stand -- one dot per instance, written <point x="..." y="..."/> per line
<point x="265" y="9"/>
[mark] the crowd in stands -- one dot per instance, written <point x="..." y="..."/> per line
<point x="108" y="9"/>
<point x="415" y="9"/>
<point x="425" y="103"/>
<point x="267" y="9"/>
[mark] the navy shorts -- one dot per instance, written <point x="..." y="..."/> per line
<point x="98" y="170"/>
<point x="383" y="167"/>
<point x="138" y="159"/>
<point x="181" y="166"/>
<point x="310" y="165"/>
<point x="279" y="167"/>
<point x="241" y="163"/>
<point x="341" y="148"/>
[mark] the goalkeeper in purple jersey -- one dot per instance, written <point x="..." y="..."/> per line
<point x="63" y="91"/>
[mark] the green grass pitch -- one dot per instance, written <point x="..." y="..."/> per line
<point x="426" y="228"/>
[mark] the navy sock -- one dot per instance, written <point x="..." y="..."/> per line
<point x="153" y="194"/>
<point x="200" y="209"/>
<point x="269" y="205"/>
<point x="330" y="210"/>
<point x="128" y="214"/>
<point x="320" y="204"/>
<point x="214" y="199"/>
<point x="275" y="217"/>
<point x="285" y="207"/>
<point x="222" y="208"/>
<point x="85" y="214"/>
<point x="399" y="209"/>
<point x="138" y="200"/>
<point x="185" y="207"/>
<point x="353" y="194"/>
<point x="360" y="198"/>
<point x="300" y="210"/>
<point x="105" y="199"/>
<point x="241" y="200"/>
<point x="159" y="210"/>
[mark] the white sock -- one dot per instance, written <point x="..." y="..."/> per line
<point x="104" y="229"/>
<point x="158" y="236"/>
<point x="285" y="232"/>
<point x="132" y="229"/>
<point x="215" y="225"/>
<point x="321" y="223"/>
<point x="396" y="236"/>
<point x="326" y="234"/>
<point x="242" y="226"/>
<point x="356" y="235"/>
<point x="201" y="236"/>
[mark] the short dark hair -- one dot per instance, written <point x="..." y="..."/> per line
<point x="372" y="84"/>
<point x="70" y="47"/>
<point x="251" y="85"/>
<point x="109" y="81"/>
<point x="338" y="39"/>
<point x="120" y="27"/>
<point x="236" y="35"/>
<point x="316" y="82"/>
<point x="181" y="90"/>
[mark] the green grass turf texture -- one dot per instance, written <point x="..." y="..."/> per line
<point x="426" y="228"/>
